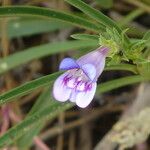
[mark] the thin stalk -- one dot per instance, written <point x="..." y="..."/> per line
<point x="139" y="4"/>
<point x="131" y="16"/>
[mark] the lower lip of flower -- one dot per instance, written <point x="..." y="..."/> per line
<point x="77" y="83"/>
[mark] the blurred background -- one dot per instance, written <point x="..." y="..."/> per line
<point x="74" y="129"/>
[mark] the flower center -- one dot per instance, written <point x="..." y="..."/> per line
<point x="77" y="80"/>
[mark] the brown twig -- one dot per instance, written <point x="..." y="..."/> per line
<point x="85" y="142"/>
<point x="5" y="52"/>
<point x="60" y="136"/>
<point x="40" y="144"/>
<point x="92" y="115"/>
<point x="5" y="120"/>
<point x="72" y="141"/>
<point x="139" y="4"/>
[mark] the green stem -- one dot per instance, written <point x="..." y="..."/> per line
<point x="139" y="4"/>
<point x="126" y="67"/>
<point x="110" y="85"/>
<point x="131" y="16"/>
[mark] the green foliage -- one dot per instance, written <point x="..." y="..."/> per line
<point x="27" y="87"/>
<point x="134" y="51"/>
<point x="85" y="37"/>
<point x="13" y="11"/>
<point x="43" y="101"/>
<point x="41" y="116"/>
<point x="47" y="113"/>
<point x="45" y="108"/>
<point x="27" y="55"/>
<point x="119" y="49"/>
<point x="144" y="68"/>
<point x="105" y="3"/>
<point x="147" y="38"/>
<point x="94" y="14"/>
<point x="20" y="27"/>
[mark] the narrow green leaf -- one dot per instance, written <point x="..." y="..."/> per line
<point x="86" y="37"/>
<point x="110" y="85"/>
<point x="41" y="116"/>
<point x="47" y="13"/>
<point x="27" y="55"/>
<point x="27" y="87"/>
<point x="131" y="16"/>
<point x="125" y="67"/>
<point x="147" y="37"/>
<point x="105" y="3"/>
<point x="24" y="142"/>
<point x="26" y="26"/>
<point x="95" y="14"/>
<point x="43" y="101"/>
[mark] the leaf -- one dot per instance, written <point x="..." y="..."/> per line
<point x="41" y="116"/>
<point x="130" y="17"/>
<point x="27" y="87"/>
<point x="26" y="26"/>
<point x="43" y="101"/>
<point x="47" y="13"/>
<point x="105" y="3"/>
<point x="27" y="55"/>
<point x="125" y="67"/>
<point x="147" y="38"/>
<point x="95" y="14"/>
<point x="144" y="68"/>
<point x="110" y="85"/>
<point x="86" y="37"/>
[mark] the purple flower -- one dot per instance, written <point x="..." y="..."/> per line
<point x="78" y="84"/>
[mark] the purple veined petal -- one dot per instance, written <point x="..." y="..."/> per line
<point x="67" y="64"/>
<point x="60" y="91"/>
<point x="71" y="84"/>
<point x="80" y="86"/>
<point x="89" y="70"/>
<point x="83" y="99"/>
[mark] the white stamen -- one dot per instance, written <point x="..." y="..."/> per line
<point x="71" y="83"/>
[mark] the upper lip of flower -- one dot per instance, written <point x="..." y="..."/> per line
<point x="88" y="69"/>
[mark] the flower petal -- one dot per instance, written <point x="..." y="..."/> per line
<point x="89" y="70"/>
<point x="83" y="99"/>
<point x="73" y="96"/>
<point x="96" y="58"/>
<point x="67" y="64"/>
<point x="60" y="91"/>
